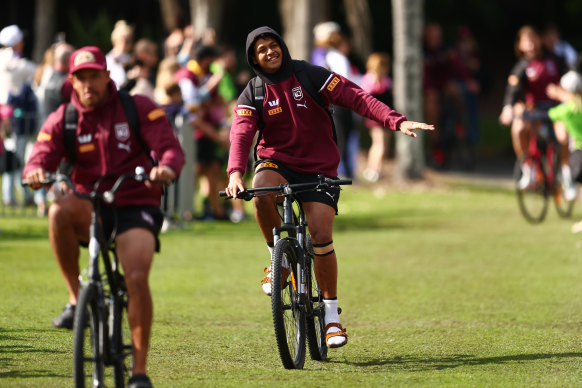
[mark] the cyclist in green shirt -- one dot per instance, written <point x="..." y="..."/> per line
<point x="567" y="122"/>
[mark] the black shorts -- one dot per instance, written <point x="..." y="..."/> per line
<point x="118" y="220"/>
<point x="330" y="197"/>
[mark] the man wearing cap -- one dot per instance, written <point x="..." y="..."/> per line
<point x="106" y="147"/>
<point x="17" y="106"/>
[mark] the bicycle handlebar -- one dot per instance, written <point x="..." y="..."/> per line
<point x="108" y="195"/>
<point x="288" y="188"/>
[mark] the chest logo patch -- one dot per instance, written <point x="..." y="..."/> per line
<point x="333" y="84"/>
<point x="274" y="102"/>
<point x="122" y="131"/>
<point x="84" y="139"/>
<point x="86" y="148"/>
<point x="275" y="111"/>
<point x="297" y="93"/>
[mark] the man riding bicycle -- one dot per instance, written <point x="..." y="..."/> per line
<point x="526" y="101"/>
<point x="105" y="147"/>
<point x="296" y="143"/>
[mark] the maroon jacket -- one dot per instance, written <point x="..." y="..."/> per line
<point x="106" y="146"/>
<point x="298" y="131"/>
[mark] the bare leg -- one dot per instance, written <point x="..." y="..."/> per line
<point x="562" y="137"/>
<point x="135" y="249"/>
<point x="377" y="149"/>
<point x="320" y="218"/>
<point x="266" y="206"/>
<point x="69" y="221"/>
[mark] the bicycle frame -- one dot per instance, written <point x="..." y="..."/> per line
<point x="535" y="151"/>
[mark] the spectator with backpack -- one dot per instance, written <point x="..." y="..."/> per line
<point x="105" y="145"/>
<point x="295" y="144"/>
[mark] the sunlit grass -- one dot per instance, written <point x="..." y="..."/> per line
<point x="441" y="287"/>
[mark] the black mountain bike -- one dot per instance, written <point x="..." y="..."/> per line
<point x="297" y="307"/>
<point x="101" y="333"/>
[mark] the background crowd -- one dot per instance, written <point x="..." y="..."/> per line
<point x="197" y="79"/>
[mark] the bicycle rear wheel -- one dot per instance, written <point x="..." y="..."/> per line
<point x="121" y="351"/>
<point x="88" y="357"/>
<point x="533" y="199"/>
<point x="288" y="316"/>
<point x="315" y="316"/>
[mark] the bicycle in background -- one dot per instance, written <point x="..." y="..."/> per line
<point x="298" y="308"/>
<point x="545" y="178"/>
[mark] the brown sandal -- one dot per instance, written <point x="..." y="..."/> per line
<point x="284" y="276"/>
<point x="341" y="333"/>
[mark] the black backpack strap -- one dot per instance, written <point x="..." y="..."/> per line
<point x="130" y="109"/>
<point x="70" y="133"/>
<point x="71" y="121"/>
<point x="258" y="89"/>
<point x="311" y="88"/>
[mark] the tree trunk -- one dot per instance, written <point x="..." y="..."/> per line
<point x="44" y="27"/>
<point x="170" y="10"/>
<point x="206" y="14"/>
<point x="298" y="20"/>
<point x="359" y="19"/>
<point x="407" y="21"/>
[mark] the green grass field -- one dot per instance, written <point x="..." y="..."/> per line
<point x="441" y="287"/>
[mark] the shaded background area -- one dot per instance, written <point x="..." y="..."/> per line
<point x="494" y="24"/>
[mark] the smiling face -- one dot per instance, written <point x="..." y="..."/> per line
<point x="92" y="86"/>
<point x="268" y="54"/>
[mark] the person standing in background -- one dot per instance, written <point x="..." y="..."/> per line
<point x="120" y="55"/>
<point x="377" y="82"/>
<point x="18" y="110"/>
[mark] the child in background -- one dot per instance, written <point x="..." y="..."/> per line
<point x="567" y="122"/>
<point x="377" y="82"/>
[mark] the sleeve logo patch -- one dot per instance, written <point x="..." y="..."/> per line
<point x="244" y="112"/>
<point x="43" y="136"/>
<point x="333" y="84"/>
<point x="86" y="148"/>
<point x="156" y="114"/>
<point x="275" y="111"/>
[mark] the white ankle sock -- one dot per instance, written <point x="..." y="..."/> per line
<point x="331" y="315"/>
<point x="566" y="173"/>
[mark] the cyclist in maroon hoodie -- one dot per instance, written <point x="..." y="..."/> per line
<point x="106" y="148"/>
<point x="296" y="144"/>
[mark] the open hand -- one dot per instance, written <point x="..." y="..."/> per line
<point x="406" y="127"/>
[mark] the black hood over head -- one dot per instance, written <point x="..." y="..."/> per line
<point x="286" y="69"/>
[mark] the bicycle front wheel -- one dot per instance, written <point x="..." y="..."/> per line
<point x="88" y="357"/>
<point x="122" y="350"/>
<point x="315" y="315"/>
<point x="288" y="315"/>
<point x="533" y="197"/>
